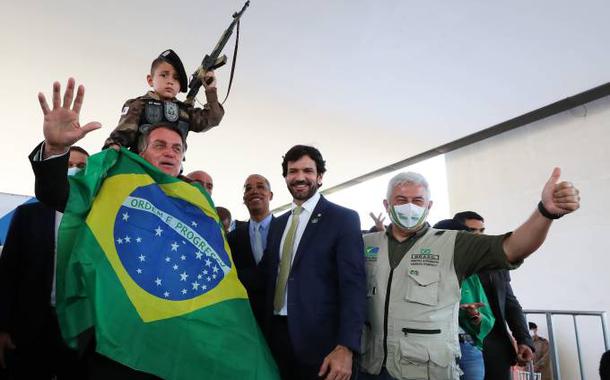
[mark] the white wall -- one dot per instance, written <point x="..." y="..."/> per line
<point x="502" y="178"/>
<point x="368" y="196"/>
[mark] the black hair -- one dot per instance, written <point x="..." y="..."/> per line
<point x="450" y="224"/>
<point x="532" y="325"/>
<point x="157" y="62"/>
<point x="296" y="152"/>
<point x="604" y="366"/>
<point x="463" y="216"/>
<point x="79" y="149"/>
<point x="223" y="213"/>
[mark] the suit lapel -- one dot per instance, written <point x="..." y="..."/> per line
<point x="316" y="219"/>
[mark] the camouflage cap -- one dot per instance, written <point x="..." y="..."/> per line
<point x="172" y="58"/>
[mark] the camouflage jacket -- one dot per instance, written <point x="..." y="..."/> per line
<point x="136" y="113"/>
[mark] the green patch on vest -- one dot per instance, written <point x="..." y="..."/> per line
<point x="371" y="253"/>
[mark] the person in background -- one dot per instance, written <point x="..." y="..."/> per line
<point x="475" y="318"/>
<point x="225" y="217"/>
<point x="498" y="351"/>
<point x="542" y="360"/>
<point x="202" y="178"/>
<point x="248" y="240"/>
<point x="31" y="345"/>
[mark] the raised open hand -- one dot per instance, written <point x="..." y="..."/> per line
<point x="61" y="125"/>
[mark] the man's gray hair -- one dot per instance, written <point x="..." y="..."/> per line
<point x="145" y="133"/>
<point x="410" y="178"/>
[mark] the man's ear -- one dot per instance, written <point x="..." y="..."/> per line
<point x="385" y="204"/>
<point x="430" y="204"/>
<point x="271" y="195"/>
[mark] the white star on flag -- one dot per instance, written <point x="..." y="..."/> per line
<point x="127" y="239"/>
<point x="194" y="224"/>
<point x="139" y="239"/>
<point x="183" y="276"/>
<point x="167" y="259"/>
<point x="195" y="285"/>
<point x="182" y="257"/>
<point x="183" y="291"/>
<point x="139" y="271"/>
<point x="158" y="281"/>
<point x="199" y="254"/>
<point x="175" y="246"/>
<point x="120" y="241"/>
<point x="142" y="258"/>
<point x="125" y="216"/>
<point x="158" y="231"/>
<point x="166" y="294"/>
<point x="175" y="267"/>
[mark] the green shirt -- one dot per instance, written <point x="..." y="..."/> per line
<point x="472" y="291"/>
<point x="472" y="253"/>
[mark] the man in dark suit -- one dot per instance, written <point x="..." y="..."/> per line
<point x="249" y="240"/>
<point x="31" y="345"/>
<point x="315" y="279"/>
<point x="498" y="351"/>
<point x="162" y="145"/>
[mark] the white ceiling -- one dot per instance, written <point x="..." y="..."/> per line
<point x="367" y="82"/>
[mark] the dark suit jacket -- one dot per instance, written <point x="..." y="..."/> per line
<point x="327" y="283"/>
<point x="51" y="184"/>
<point x="248" y="271"/>
<point x="506" y="309"/>
<point x="26" y="274"/>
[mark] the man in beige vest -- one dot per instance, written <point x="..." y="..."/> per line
<point x="414" y="274"/>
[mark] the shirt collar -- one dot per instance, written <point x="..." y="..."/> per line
<point x="309" y="205"/>
<point x="156" y="96"/>
<point x="417" y="235"/>
<point x="263" y="223"/>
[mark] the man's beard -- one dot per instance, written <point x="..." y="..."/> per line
<point x="303" y="195"/>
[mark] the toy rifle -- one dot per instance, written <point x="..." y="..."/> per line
<point x="215" y="60"/>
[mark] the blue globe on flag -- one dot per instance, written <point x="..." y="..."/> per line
<point x="169" y="247"/>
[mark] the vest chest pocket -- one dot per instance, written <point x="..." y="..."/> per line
<point x="422" y="286"/>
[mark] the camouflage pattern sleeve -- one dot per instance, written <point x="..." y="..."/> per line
<point x="126" y="132"/>
<point x="203" y="119"/>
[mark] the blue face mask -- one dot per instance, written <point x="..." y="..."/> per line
<point x="73" y="170"/>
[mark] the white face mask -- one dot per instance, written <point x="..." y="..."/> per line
<point x="408" y="216"/>
<point x="73" y="170"/>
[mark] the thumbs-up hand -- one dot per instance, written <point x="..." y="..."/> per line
<point x="560" y="198"/>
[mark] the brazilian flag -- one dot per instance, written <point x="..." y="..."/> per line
<point x="142" y="258"/>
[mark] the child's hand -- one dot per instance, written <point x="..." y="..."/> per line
<point x="116" y="147"/>
<point x="209" y="80"/>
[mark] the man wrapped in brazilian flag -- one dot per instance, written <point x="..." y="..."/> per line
<point x="141" y="257"/>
